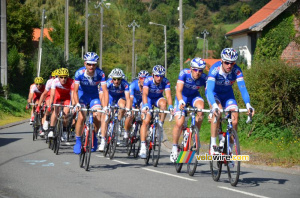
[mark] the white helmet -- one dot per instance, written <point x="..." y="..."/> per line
<point x="116" y="73"/>
<point x="198" y="63"/>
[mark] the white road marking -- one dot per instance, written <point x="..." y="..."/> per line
<point x="242" y="192"/>
<point x="67" y="143"/>
<point x="148" y="169"/>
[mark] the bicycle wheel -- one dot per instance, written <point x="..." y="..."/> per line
<point x="114" y="140"/>
<point x="215" y="168"/>
<point x="58" y="131"/>
<point x="148" y="151"/>
<point x="178" y="166"/>
<point x="129" y="144"/>
<point x="88" y="148"/>
<point x="106" y="148"/>
<point x="136" y="142"/>
<point x="82" y="151"/>
<point x="156" y="145"/>
<point x="194" y="146"/>
<point x="35" y="128"/>
<point x="234" y="168"/>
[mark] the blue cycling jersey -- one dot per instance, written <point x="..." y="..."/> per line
<point x="220" y="83"/>
<point x="191" y="86"/>
<point x="88" y="84"/>
<point x="135" y="90"/>
<point x="117" y="92"/>
<point x="156" y="91"/>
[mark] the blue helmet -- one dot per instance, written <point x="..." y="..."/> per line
<point x="158" y="70"/>
<point x="198" y="63"/>
<point x="91" y="58"/>
<point x="143" y="73"/>
<point x="229" y="54"/>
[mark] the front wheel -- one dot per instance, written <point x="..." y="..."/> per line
<point x="88" y="148"/>
<point x="178" y="166"/>
<point x="215" y="168"/>
<point x="156" y="145"/>
<point x="58" y="131"/>
<point x="194" y="146"/>
<point x="82" y="152"/>
<point x="233" y="167"/>
<point x="114" y="140"/>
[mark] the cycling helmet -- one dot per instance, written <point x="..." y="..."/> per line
<point x="229" y="54"/>
<point x="91" y="58"/>
<point x="39" y="80"/>
<point x="54" y="73"/>
<point x="116" y="73"/>
<point x="158" y="70"/>
<point x="143" y="74"/>
<point x="198" y="63"/>
<point x="63" y="72"/>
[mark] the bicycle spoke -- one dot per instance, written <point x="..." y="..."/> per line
<point x="194" y="145"/>
<point x="233" y="167"/>
<point x="156" y="145"/>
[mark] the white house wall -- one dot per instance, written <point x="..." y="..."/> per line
<point x="242" y="43"/>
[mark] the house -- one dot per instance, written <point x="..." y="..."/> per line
<point x="37" y="34"/>
<point x="245" y="35"/>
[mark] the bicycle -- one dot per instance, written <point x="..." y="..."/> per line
<point x="112" y="133"/>
<point x="58" y="131"/>
<point x="154" y="138"/>
<point x="36" y="122"/>
<point x="87" y="138"/>
<point x="191" y="140"/>
<point x="134" y="140"/>
<point x="230" y="134"/>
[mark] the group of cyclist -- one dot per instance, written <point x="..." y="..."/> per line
<point x="91" y="89"/>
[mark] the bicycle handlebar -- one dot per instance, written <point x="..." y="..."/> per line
<point x="249" y="119"/>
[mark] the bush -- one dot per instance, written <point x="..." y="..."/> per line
<point x="274" y="89"/>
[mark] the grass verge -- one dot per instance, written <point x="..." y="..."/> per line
<point x="276" y="152"/>
<point x="13" y="109"/>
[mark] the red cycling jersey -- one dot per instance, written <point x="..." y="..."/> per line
<point x="62" y="92"/>
<point x="36" y="92"/>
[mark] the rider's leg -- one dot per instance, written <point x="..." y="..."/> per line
<point x="214" y="130"/>
<point x="144" y="131"/>
<point x="162" y="104"/>
<point x="199" y="104"/>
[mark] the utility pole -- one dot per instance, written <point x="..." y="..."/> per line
<point x="106" y="5"/>
<point x="66" y="30"/>
<point x="133" y="25"/>
<point x="40" y="45"/>
<point x="181" y="35"/>
<point x="3" y="45"/>
<point x="86" y="26"/>
<point x="205" y="32"/>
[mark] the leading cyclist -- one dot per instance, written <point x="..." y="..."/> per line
<point x="86" y="84"/>
<point x="187" y="92"/>
<point x="221" y="77"/>
<point x="153" y="89"/>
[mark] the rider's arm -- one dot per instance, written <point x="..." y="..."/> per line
<point x="52" y="93"/>
<point x="42" y="97"/>
<point x="169" y="97"/>
<point x="179" y="88"/>
<point x="105" y="95"/>
<point x="242" y="86"/>
<point x="131" y="91"/>
<point x="145" y="95"/>
<point x="75" y="94"/>
<point x="127" y="97"/>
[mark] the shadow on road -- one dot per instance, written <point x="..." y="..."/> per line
<point x="5" y="141"/>
<point x="253" y="182"/>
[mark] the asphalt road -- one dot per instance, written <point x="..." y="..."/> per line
<point x="29" y="169"/>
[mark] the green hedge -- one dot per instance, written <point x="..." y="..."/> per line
<point x="15" y="105"/>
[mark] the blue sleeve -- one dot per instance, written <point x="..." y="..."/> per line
<point x="242" y="86"/>
<point x="210" y="86"/>
<point x="131" y="88"/>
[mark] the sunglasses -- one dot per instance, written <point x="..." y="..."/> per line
<point x="142" y="78"/>
<point x="63" y="77"/>
<point x="229" y="63"/>
<point x="114" y="79"/>
<point x="39" y="84"/>
<point x="197" y="70"/>
<point x="159" y="76"/>
<point x="89" y="64"/>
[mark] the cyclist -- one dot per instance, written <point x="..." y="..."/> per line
<point x="221" y="77"/>
<point x="187" y="92"/>
<point x="60" y="93"/>
<point x="118" y="90"/>
<point x="153" y="89"/>
<point x="35" y="93"/>
<point x="136" y="88"/>
<point x="46" y="94"/>
<point x="86" y="92"/>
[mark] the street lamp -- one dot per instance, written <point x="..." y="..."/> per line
<point x="101" y="4"/>
<point x="133" y="25"/>
<point x="165" y="33"/>
<point x="205" y="32"/>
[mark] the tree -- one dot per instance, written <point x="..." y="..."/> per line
<point x="20" y="24"/>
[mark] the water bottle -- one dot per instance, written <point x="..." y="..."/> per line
<point x="185" y="137"/>
<point x="110" y="128"/>
<point x="222" y="142"/>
